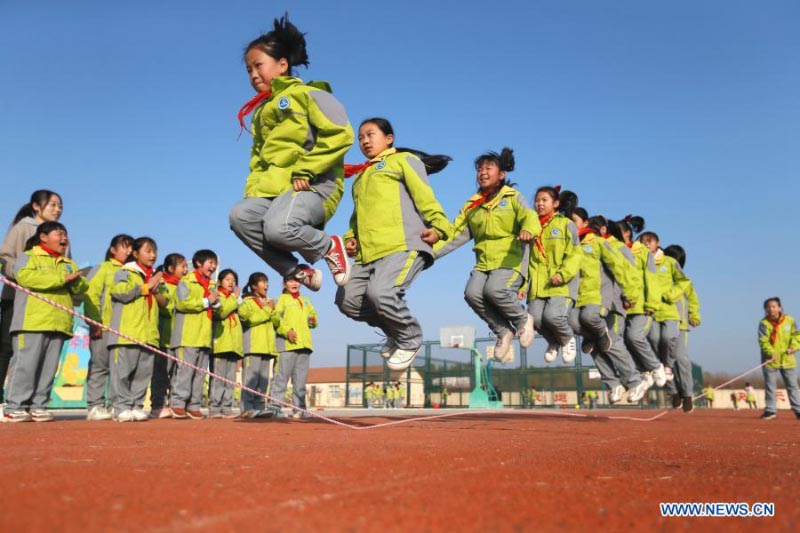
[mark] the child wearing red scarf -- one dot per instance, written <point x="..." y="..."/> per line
<point x="195" y="299"/>
<point x="97" y="306"/>
<point x="227" y="350"/>
<point x="778" y="338"/>
<point x="134" y="312"/>
<point x="174" y="268"/>
<point x="38" y="330"/>
<point x="296" y="318"/>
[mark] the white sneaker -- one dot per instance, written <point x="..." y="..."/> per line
<point x="16" y="416"/>
<point x="310" y="277"/>
<point x="526" y="333"/>
<point x="569" y="351"/>
<point x="648" y="377"/>
<point x="42" y="415"/>
<point x="139" y="415"/>
<point x="125" y="416"/>
<point x="503" y="345"/>
<point x="551" y="354"/>
<point x="659" y="376"/>
<point x="98" y="412"/>
<point x="616" y="394"/>
<point x="637" y="393"/>
<point x="668" y="373"/>
<point x="402" y="359"/>
<point x="388" y="348"/>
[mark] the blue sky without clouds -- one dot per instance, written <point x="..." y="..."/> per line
<point x="684" y="112"/>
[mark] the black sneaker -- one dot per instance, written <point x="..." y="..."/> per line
<point x="677" y="401"/>
<point x="688" y="404"/>
<point x="768" y="415"/>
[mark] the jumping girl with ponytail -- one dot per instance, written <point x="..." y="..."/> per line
<point x="502" y="225"/>
<point x="300" y="135"/>
<point x="395" y="223"/>
<point x="555" y="261"/>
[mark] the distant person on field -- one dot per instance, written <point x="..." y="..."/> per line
<point x="750" y="396"/>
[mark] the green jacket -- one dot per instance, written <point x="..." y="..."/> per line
<point x="166" y="314"/>
<point x="258" y="326"/>
<point x="192" y="325"/>
<point x="294" y="313"/>
<point x="227" y="326"/>
<point x="787" y="337"/>
<point x="562" y="255"/>
<point x="97" y="304"/>
<point x="132" y="311"/>
<point x="689" y="307"/>
<point x="644" y="269"/>
<point x="601" y="267"/>
<point x="393" y="203"/>
<point x="665" y="287"/>
<point x="40" y="272"/>
<point x="301" y="131"/>
<point x="494" y="227"/>
<point x="635" y="278"/>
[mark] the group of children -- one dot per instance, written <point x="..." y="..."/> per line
<point x="630" y="301"/>
<point x="388" y="396"/>
<point x="138" y="308"/>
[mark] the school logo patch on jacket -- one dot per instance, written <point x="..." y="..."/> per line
<point x="283" y="103"/>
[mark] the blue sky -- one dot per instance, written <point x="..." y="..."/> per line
<point x="683" y="112"/>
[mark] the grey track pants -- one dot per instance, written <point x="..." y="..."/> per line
<point x="274" y="228"/>
<point x="255" y="375"/>
<point x="131" y="370"/>
<point x="595" y="320"/>
<point x="188" y="391"/>
<point x="551" y="318"/>
<point x="33" y="369"/>
<point x="163" y="380"/>
<point x="683" y="383"/>
<point x="663" y="337"/>
<point x="493" y="297"/>
<point x="293" y="365"/>
<point x="99" y="385"/>
<point x="220" y="394"/>
<point x="636" y="330"/>
<point x="376" y="293"/>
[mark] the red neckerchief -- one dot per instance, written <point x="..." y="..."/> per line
<point x="204" y="282"/>
<point x="776" y="325"/>
<point x="50" y="251"/>
<point x="248" y="108"/>
<point x="352" y="170"/>
<point x="296" y="296"/>
<point x="478" y="201"/>
<point x="148" y="273"/>
<point x="629" y="244"/>
<point x="584" y="231"/>
<point x="544" y="220"/>
<point x="171" y="279"/>
<point x="232" y="316"/>
<point x="257" y="301"/>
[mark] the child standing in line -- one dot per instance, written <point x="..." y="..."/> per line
<point x="227" y="350"/>
<point x="195" y="300"/>
<point x="259" y="319"/>
<point x="134" y="313"/>
<point x="44" y="206"/>
<point x="38" y="330"/>
<point x="502" y="225"/>
<point x="97" y="306"/>
<point x="395" y="222"/>
<point x="399" y="395"/>
<point x="689" y="311"/>
<point x="750" y="392"/>
<point x="297" y="318"/>
<point x="555" y="261"/>
<point x="300" y="135"/>
<point x="778" y="338"/>
<point x="173" y="268"/>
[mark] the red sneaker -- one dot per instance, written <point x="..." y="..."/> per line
<point x="310" y="277"/>
<point x="337" y="261"/>
<point x="194" y="414"/>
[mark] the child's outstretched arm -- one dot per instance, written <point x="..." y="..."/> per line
<point x="419" y="187"/>
<point x="460" y="236"/>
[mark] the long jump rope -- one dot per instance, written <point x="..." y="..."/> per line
<point x="313" y="414"/>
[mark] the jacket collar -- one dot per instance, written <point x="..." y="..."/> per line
<point x="281" y="83"/>
<point x="504" y="191"/>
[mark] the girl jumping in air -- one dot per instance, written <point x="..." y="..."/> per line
<point x="502" y="225"/>
<point x="396" y="220"/>
<point x="300" y="135"/>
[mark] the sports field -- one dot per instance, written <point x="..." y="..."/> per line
<point x="503" y="471"/>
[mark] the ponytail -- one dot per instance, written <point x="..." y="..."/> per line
<point x="284" y="41"/>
